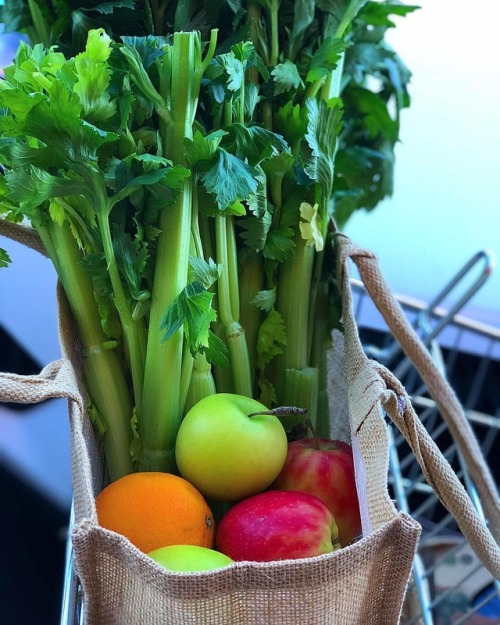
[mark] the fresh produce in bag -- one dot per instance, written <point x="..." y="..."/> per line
<point x="182" y="175"/>
<point x="187" y="167"/>
<point x="183" y="180"/>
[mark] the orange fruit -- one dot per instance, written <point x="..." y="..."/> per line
<point x="154" y="509"/>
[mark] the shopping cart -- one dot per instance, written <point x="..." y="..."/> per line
<point x="452" y="585"/>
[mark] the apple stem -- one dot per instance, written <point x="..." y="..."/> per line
<point x="336" y="543"/>
<point x="281" y="411"/>
<point x="309" y="424"/>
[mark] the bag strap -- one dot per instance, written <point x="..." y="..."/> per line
<point x="58" y="380"/>
<point x="439" y="474"/>
<point x="435" y="467"/>
<point x="22" y="234"/>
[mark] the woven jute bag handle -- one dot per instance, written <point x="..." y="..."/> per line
<point x="22" y="234"/>
<point x="397" y="404"/>
<point x="58" y="381"/>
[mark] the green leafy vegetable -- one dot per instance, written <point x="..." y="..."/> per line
<point x="4" y="258"/>
<point x="182" y="162"/>
<point x="229" y="179"/>
<point x="193" y="310"/>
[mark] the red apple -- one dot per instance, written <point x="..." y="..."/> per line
<point x="324" y="468"/>
<point x="277" y="525"/>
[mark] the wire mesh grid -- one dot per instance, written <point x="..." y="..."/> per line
<point x="453" y="587"/>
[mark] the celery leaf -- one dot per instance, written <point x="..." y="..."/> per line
<point x="310" y="226"/>
<point x="265" y="299"/>
<point x="254" y="143"/>
<point x="93" y="78"/>
<point x="216" y="352"/>
<point x="257" y="201"/>
<point x="286" y="77"/>
<point x="280" y="245"/>
<point x="131" y="255"/>
<point x="291" y="122"/>
<point x="148" y="48"/>
<point x="56" y="121"/>
<point x="204" y="272"/>
<point x="378" y="13"/>
<point x="303" y="18"/>
<point x="324" y="123"/>
<point x="229" y="179"/>
<point x="245" y="52"/>
<point x="271" y="338"/>
<point x="374" y="110"/>
<point x="169" y="177"/>
<point x="97" y="268"/>
<point x="202" y="147"/>
<point x="4" y="258"/>
<point x="234" y="69"/>
<point x="325" y="59"/>
<point x="32" y="187"/>
<point x="342" y="13"/>
<point x="255" y="231"/>
<point x="192" y="310"/>
<point x="96" y="418"/>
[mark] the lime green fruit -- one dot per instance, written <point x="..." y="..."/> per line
<point x="228" y="448"/>
<point x="189" y="558"/>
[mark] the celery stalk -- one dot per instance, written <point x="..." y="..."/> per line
<point x="293" y="303"/>
<point x="223" y="376"/>
<point x="198" y="381"/>
<point x="251" y="282"/>
<point x="133" y="330"/>
<point x="201" y="382"/>
<point x="161" y="405"/>
<point x="102" y="369"/>
<point x="228" y="299"/>
<point x="301" y="390"/>
<point x="321" y="340"/>
<point x="40" y="27"/>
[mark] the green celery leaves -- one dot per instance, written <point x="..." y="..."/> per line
<point x="193" y="311"/>
<point x="182" y="163"/>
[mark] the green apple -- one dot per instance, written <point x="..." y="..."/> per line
<point x="227" y="449"/>
<point x="189" y="558"/>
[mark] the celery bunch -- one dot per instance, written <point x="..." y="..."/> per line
<point x="184" y="180"/>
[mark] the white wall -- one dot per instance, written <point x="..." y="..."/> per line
<point x="446" y="204"/>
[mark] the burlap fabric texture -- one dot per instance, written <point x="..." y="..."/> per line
<point x="363" y="584"/>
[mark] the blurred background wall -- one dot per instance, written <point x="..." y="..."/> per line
<point x="446" y="204"/>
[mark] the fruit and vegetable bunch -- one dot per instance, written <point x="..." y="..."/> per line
<point x="185" y="176"/>
<point x="245" y="493"/>
<point x="185" y="165"/>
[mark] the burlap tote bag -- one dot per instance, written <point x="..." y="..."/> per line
<point x="364" y="583"/>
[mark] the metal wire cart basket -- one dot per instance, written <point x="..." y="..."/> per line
<point x="452" y="585"/>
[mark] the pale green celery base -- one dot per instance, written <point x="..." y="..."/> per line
<point x="301" y="390"/>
